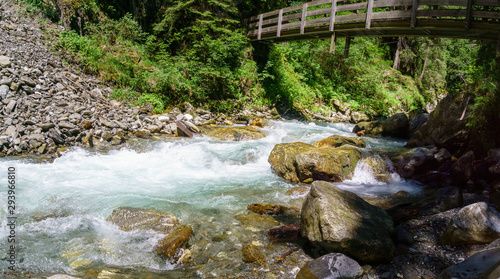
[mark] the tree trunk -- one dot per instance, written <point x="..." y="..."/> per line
<point x="425" y="62"/>
<point x="396" y="56"/>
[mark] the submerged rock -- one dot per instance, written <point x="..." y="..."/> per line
<point x="287" y="233"/>
<point x="253" y="254"/>
<point x="237" y="133"/>
<point x="331" y="266"/>
<point x="172" y="246"/>
<point x="341" y="221"/>
<point x="255" y="221"/>
<point x="338" y="141"/>
<point x="301" y="162"/>
<point x="475" y="223"/>
<point x="266" y="208"/>
<point x="130" y="218"/>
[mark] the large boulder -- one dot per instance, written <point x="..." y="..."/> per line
<point x="446" y="128"/>
<point x="475" y="223"/>
<point x="482" y="265"/>
<point x="130" y="218"/>
<point x="340" y="221"/>
<point x="413" y="162"/>
<point x="417" y="122"/>
<point x="301" y="162"/>
<point x="331" y="266"/>
<point x="237" y="133"/>
<point x="338" y="141"/>
<point x="395" y="126"/>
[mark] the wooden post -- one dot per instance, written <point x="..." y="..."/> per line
<point x="332" y="43"/>
<point x="259" y="33"/>
<point x="395" y="66"/>
<point x="332" y="15"/>
<point x="468" y="15"/>
<point x="303" y="19"/>
<point x="347" y="46"/>
<point x="414" y="10"/>
<point x="369" y="14"/>
<point x="280" y="18"/>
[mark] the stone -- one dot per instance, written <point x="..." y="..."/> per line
<point x="461" y="169"/>
<point x="301" y="162"/>
<point x="143" y="133"/>
<point x="4" y="61"/>
<point x="415" y="161"/>
<point x="130" y="218"/>
<point x="153" y="128"/>
<point x="108" y="123"/>
<point x="286" y="233"/>
<point x="61" y="276"/>
<point x="66" y="125"/>
<point x="4" y="90"/>
<point x="417" y="122"/>
<point x="258" y="122"/>
<point x="255" y="221"/>
<point x="11" y="132"/>
<point x="395" y="126"/>
<point x="445" y="128"/>
<point x="266" y="208"/>
<point x="442" y="155"/>
<point x="475" y="223"/>
<point x="482" y="265"/>
<point x="28" y="81"/>
<point x="237" y="134"/>
<point x="444" y="199"/>
<point x="340" y="221"/>
<point x="172" y="246"/>
<point x="164" y="118"/>
<point x="331" y="266"/>
<point x="10" y="106"/>
<point x="338" y="141"/>
<point x="253" y="254"/>
<point x="46" y="126"/>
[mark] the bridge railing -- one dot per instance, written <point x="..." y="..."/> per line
<point x="326" y="15"/>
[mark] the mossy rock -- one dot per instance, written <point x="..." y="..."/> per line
<point x="170" y="246"/>
<point x="337" y="141"/>
<point x="242" y="133"/>
<point x="301" y="162"/>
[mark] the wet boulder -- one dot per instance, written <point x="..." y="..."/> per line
<point x="130" y="218"/>
<point x="475" y="223"/>
<point x="395" y="126"/>
<point x="238" y="133"/>
<point x="331" y="266"/>
<point x="258" y="122"/>
<point x="338" y="141"/>
<point x="301" y="162"/>
<point x="172" y="246"/>
<point x="340" y="221"/>
<point x="414" y="162"/>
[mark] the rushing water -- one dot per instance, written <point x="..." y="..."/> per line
<point x="62" y="206"/>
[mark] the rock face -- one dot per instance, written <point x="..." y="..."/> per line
<point x="444" y="128"/>
<point x="338" y="141"/>
<point x="415" y="161"/>
<point x="341" y="221"/>
<point x="129" y="218"/>
<point x="417" y="122"/>
<point x="461" y="170"/>
<point x="475" y="223"/>
<point x="237" y="134"/>
<point x="331" y="266"/>
<point x="301" y="162"/>
<point x="482" y="265"/>
<point x="395" y="126"/>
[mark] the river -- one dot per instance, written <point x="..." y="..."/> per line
<point x="61" y="206"/>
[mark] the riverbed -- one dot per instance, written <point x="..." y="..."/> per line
<point x="61" y="206"/>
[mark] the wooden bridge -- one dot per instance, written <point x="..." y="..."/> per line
<point x="469" y="19"/>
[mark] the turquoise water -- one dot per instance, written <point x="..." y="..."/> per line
<point x="62" y="205"/>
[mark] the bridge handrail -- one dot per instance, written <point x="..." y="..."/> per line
<point x="298" y="17"/>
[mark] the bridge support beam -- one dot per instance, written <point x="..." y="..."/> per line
<point x="347" y="47"/>
<point x="333" y="40"/>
